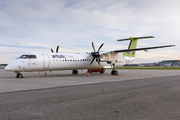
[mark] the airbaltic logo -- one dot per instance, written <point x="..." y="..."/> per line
<point x="61" y="56"/>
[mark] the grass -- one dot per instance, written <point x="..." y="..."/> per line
<point x="150" y="68"/>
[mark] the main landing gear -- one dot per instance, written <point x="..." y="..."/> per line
<point x="75" y="72"/>
<point x="19" y="75"/>
<point x="114" y="72"/>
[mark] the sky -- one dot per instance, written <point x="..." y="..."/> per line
<point x="39" y="25"/>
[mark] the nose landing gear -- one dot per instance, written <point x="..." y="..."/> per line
<point x="19" y="75"/>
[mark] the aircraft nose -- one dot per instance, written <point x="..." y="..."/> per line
<point x="12" y="66"/>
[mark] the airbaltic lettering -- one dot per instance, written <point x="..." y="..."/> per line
<point x="61" y="56"/>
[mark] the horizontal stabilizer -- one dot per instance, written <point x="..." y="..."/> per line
<point x="138" y="49"/>
<point x="135" y="38"/>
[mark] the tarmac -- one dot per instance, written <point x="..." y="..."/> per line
<point x="133" y="94"/>
<point x="34" y="80"/>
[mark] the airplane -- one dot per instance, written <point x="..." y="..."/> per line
<point x="96" y="60"/>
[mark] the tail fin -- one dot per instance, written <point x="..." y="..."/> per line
<point x="133" y="44"/>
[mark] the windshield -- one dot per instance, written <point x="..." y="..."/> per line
<point x="27" y="56"/>
<point x="23" y="56"/>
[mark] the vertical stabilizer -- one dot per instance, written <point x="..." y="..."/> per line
<point x="133" y="44"/>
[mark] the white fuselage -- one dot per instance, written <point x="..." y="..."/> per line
<point x="65" y="61"/>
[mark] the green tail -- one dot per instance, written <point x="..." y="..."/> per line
<point x="132" y="45"/>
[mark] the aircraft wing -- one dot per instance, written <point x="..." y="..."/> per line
<point x="145" y="49"/>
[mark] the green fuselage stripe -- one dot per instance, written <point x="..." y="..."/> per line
<point x="129" y="54"/>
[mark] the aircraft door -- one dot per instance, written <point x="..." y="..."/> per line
<point x="46" y="61"/>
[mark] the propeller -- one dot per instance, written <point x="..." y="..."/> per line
<point x="52" y="50"/>
<point x="56" y="49"/>
<point x="95" y="54"/>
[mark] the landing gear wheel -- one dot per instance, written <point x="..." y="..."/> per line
<point x="114" y="72"/>
<point x="75" y="72"/>
<point x="19" y="75"/>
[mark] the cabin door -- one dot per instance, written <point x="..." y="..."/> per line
<point x="46" y="61"/>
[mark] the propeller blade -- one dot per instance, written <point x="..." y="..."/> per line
<point x="95" y="54"/>
<point x="100" y="47"/>
<point x="92" y="61"/>
<point x="93" y="47"/>
<point x="98" y="61"/>
<point x="57" y="49"/>
<point x="52" y="50"/>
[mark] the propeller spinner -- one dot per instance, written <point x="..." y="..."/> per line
<point x="95" y="54"/>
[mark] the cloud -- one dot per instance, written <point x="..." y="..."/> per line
<point x="75" y="24"/>
<point x="18" y="46"/>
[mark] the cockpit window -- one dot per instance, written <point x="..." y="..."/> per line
<point x="24" y="56"/>
<point x="27" y="56"/>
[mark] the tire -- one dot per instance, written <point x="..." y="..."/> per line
<point x="17" y="76"/>
<point x="75" y="72"/>
<point x="114" y="72"/>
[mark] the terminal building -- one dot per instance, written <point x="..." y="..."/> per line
<point x="170" y="63"/>
<point x="165" y="63"/>
<point x="3" y="65"/>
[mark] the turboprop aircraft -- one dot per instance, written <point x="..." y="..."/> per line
<point x="52" y="61"/>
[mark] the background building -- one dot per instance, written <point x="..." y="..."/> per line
<point x="3" y="65"/>
<point x="170" y="63"/>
